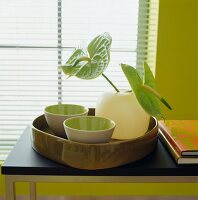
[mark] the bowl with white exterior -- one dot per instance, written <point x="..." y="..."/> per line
<point x="56" y="114"/>
<point x="89" y="129"/>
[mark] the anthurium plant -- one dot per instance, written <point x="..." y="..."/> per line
<point x="90" y="63"/>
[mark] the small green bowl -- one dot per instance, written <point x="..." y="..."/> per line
<point x="89" y="129"/>
<point x="56" y="114"/>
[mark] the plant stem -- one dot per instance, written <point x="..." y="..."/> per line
<point x="116" y="89"/>
<point x="84" y="58"/>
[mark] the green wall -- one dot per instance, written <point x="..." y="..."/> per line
<point x="177" y="57"/>
<point x="196" y="79"/>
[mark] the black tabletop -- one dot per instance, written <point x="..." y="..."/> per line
<point x="23" y="160"/>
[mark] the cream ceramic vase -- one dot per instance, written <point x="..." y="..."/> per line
<point x="123" y="108"/>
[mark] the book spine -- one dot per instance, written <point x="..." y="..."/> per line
<point x="170" y="139"/>
<point x="168" y="145"/>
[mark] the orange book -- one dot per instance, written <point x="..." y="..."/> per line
<point x="182" y="135"/>
<point x="180" y="160"/>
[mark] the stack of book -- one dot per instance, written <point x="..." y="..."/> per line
<point x="181" y="139"/>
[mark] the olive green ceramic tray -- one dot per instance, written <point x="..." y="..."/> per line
<point x="91" y="156"/>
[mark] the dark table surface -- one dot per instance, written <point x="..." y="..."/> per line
<point x="23" y="160"/>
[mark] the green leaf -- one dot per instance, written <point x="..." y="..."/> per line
<point x="75" y="56"/>
<point x="92" y="66"/>
<point x="149" y="85"/>
<point x="148" y="76"/>
<point x="132" y="76"/>
<point x="100" y="45"/>
<point x="69" y="70"/>
<point x="93" y="69"/>
<point x="72" y="66"/>
<point x="147" y="100"/>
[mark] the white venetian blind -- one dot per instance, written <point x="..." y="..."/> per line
<point x="38" y="36"/>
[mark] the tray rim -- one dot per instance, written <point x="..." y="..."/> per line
<point x="99" y="144"/>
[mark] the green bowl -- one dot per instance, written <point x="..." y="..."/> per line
<point x="56" y="114"/>
<point x="89" y="129"/>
